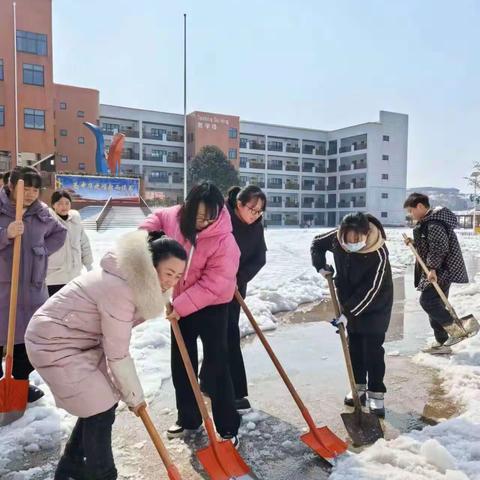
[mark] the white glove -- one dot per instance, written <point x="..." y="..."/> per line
<point x="342" y="319"/>
<point x="126" y="380"/>
<point x="326" y="271"/>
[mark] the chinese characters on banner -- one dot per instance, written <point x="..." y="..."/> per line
<point x="207" y="122"/>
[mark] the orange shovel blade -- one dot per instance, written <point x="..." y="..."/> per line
<point x="227" y="464"/>
<point x="324" y="442"/>
<point x="173" y="473"/>
<point x="13" y="399"/>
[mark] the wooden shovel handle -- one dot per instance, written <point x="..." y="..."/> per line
<point x="17" y="250"/>
<point x="343" y="337"/>
<point x="154" y="435"/>
<point x="189" y="369"/>
<point x="440" y="292"/>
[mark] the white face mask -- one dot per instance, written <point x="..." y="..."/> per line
<point x="355" y="247"/>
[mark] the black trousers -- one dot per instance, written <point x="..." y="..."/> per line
<point x="22" y="367"/>
<point x="210" y="324"/>
<point x="368" y="360"/>
<point x="436" y="311"/>
<point x="53" y="289"/>
<point x="91" y="439"/>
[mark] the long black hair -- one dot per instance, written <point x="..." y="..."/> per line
<point x="163" y="248"/>
<point x="245" y="195"/>
<point x="211" y="196"/>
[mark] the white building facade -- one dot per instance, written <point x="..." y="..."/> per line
<point x="311" y="177"/>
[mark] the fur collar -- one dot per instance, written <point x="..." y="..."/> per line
<point x="375" y="240"/>
<point x="134" y="261"/>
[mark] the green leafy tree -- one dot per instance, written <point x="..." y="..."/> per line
<point x="212" y="164"/>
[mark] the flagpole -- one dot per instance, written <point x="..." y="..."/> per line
<point x="17" y="156"/>
<point x="185" y="106"/>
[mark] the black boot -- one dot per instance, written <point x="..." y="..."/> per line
<point x="34" y="394"/>
<point x="71" y="469"/>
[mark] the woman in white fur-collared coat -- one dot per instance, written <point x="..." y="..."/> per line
<point x="78" y="341"/>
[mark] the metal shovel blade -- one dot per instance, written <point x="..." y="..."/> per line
<point x="470" y="325"/>
<point x="223" y="462"/>
<point x="363" y="428"/>
<point x="324" y="442"/>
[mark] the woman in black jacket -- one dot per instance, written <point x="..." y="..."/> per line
<point x="246" y="207"/>
<point x="365" y="291"/>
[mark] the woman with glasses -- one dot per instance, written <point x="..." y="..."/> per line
<point x="246" y="207"/>
<point x="203" y="227"/>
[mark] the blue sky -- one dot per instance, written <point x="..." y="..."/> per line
<point x="307" y="63"/>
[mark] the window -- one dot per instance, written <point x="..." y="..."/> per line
<point x="384" y="214"/>
<point x="385" y="157"/>
<point x="30" y="42"/>
<point x="34" y="118"/>
<point x="63" y="132"/>
<point x="1" y="69"/>
<point x="232" y="133"/>
<point x="232" y="153"/>
<point x="158" y="132"/>
<point x="81" y="166"/>
<point x="384" y="176"/>
<point x="33" y="74"/>
<point x="386" y="138"/>
<point x="63" y="106"/>
<point x="110" y="128"/>
<point x="2" y="115"/>
<point x="64" y="159"/>
<point x="384" y="195"/>
<point x="81" y="140"/>
<point x="80" y="114"/>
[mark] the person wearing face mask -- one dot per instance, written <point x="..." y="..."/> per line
<point x="79" y="343"/>
<point x="246" y="206"/>
<point x="365" y="292"/>
<point x="200" y="304"/>
<point x="66" y="264"/>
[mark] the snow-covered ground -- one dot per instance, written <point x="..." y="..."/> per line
<point x="288" y="280"/>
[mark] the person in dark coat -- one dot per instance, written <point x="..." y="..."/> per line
<point x="246" y="207"/>
<point x="437" y="244"/>
<point x="42" y="235"/>
<point x="365" y="292"/>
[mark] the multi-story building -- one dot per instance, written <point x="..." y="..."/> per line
<point x="50" y="116"/>
<point x="311" y="177"/>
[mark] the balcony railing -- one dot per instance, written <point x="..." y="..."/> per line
<point x="293" y="149"/>
<point x="332" y="169"/>
<point x="360" y="146"/>
<point x="346" y="149"/>
<point x="310" y="150"/>
<point x="331" y="187"/>
<point x="332" y="151"/>
<point x="292" y="168"/>
<point x="359" y="185"/>
<point x="291" y="185"/>
<point x="275" y="166"/>
<point x="319" y="186"/>
<point x="320" y="169"/>
<point x="308" y="186"/>
<point x="359" y="204"/>
<point x="344" y="168"/>
<point x="257" y="146"/>
<point x="290" y="204"/>
<point x="252" y="144"/>
<point x="274" y="221"/>
<point x="274" y="204"/>
<point x="360" y="165"/>
<point x="344" y="186"/>
<point x="307" y="204"/>
<point x="170" y="137"/>
<point x="307" y="168"/>
<point x="343" y="204"/>
<point x="275" y="185"/>
<point x="275" y="148"/>
<point x="158" y="179"/>
<point x="258" y="165"/>
<point x="130" y="155"/>
<point x="243" y="143"/>
<point x="291" y="221"/>
<point x="162" y="158"/>
<point x="319" y="204"/>
<point x="331" y="205"/>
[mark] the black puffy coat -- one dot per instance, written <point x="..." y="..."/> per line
<point x="363" y="280"/>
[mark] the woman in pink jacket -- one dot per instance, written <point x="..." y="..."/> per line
<point x="78" y="341"/>
<point x="200" y="301"/>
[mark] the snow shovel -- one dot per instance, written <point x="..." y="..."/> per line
<point x="363" y="428"/>
<point x="13" y="393"/>
<point x="321" y="440"/>
<point x="468" y="324"/>
<point x="173" y="473"/>
<point x="220" y="459"/>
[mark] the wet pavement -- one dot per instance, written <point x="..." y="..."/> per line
<point x="311" y="353"/>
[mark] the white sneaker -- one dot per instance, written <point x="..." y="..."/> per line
<point x="175" y="431"/>
<point x="376" y="403"/>
<point x="362" y="393"/>
<point x="437" y="348"/>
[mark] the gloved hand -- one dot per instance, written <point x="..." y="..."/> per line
<point x="342" y="319"/>
<point x="326" y="270"/>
